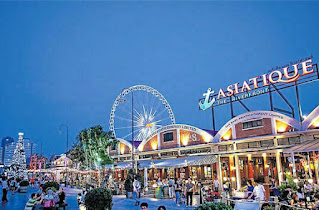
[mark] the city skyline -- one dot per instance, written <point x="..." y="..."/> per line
<point x="66" y="64"/>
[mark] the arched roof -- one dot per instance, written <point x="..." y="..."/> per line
<point x="310" y="119"/>
<point x="124" y="142"/>
<point x="177" y="126"/>
<point x="255" y="115"/>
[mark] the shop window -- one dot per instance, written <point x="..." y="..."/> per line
<point x="252" y="124"/>
<point x="224" y="148"/>
<point x="242" y="146"/>
<point x="208" y="172"/>
<point x="168" y="137"/>
<point x="267" y="143"/>
<point x="294" y="140"/>
<point x="289" y="141"/>
<point x="254" y="144"/>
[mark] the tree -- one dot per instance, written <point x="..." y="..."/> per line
<point x="91" y="147"/>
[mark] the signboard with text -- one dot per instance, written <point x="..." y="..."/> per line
<point x="294" y="73"/>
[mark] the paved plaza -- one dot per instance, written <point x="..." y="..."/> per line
<point x="18" y="201"/>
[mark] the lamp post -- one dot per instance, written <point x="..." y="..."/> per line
<point x="123" y="100"/>
<point x="67" y="136"/>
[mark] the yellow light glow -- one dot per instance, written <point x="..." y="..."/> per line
<point x="148" y="125"/>
<point x="154" y="145"/>
<point x="290" y="164"/>
<point x="295" y="180"/>
<point x="281" y="129"/>
<point x="288" y="173"/>
<point x="141" y="148"/>
<point x="206" y="138"/>
<point x="310" y="180"/>
<point x="225" y="178"/>
<point x="226" y="137"/>
<point x="316" y="123"/>
<point x="233" y="168"/>
<point x="264" y="155"/>
<point x="249" y="155"/>
<point x="122" y="149"/>
<point x="233" y="179"/>
<point x="267" y="166"/>
<point x="184" y="139"/>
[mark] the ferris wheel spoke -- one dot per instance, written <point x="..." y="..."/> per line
<point x="129" y="134"/>
<point x="127" y="127"/>
<point x="161" y="120"/>
<point x="122" y="118"/>
<point x="123" y="108"/>
<point x="148" y="113"/>
<point x="163" y="111"/>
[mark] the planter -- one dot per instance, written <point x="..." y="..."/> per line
<point x="23" y="189"/>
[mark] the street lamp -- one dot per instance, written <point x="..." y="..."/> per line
<point x="123" y="100"/>
<point x="67" y="135"/>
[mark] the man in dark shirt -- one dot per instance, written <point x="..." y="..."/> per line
<point x="189" y="192"/>
<point x="61" y="196"/>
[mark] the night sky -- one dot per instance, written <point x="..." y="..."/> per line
<point x="66" y="62"/>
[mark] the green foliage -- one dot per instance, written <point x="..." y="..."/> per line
<point x="290" y="183"/>
<point x="51" y="185"/>
<point x="24" y="183"/>
<point x="98" y="199"/>
<point x="128" y="183"/>
<point x="214" y="206"/>
<point x="91" y="147"/>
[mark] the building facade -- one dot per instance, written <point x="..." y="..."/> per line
<point x="254" y="145"/>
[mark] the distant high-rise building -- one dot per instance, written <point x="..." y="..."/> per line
<point x="30" y="148"/>
<point x="1" y="160"/>
<point x="5" y="141"/>
<point x="8" y="153"/>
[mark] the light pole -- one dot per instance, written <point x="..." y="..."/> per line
<point x="123" y="100"/>
<point x="67" y="136"/>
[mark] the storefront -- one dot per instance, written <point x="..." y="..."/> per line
<point x="251" y="146"/>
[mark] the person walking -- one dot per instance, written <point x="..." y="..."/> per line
<point x="171" y="188"/>
<point x="189" y="192"/>
<point x="177" y="192"/>
<point x="136" y="191"/>
<point x="5" y="187"/>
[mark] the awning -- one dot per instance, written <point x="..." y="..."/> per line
<point x="307" y="146"/>
<point x="124" y="165"/>
<point x="168" y="163"/>
<point x="171" y="163"/>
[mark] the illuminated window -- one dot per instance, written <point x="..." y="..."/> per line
<point x="168" y="137"/>
<point x="208" y="172"/>
<point x="252" y="124"/>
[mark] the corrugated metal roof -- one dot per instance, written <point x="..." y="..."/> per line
<point x="307" y="146"/>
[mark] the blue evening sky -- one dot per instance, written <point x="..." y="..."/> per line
<point x="66" y="62"/>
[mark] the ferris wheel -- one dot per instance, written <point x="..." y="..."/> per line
<point x="150" y="112"/>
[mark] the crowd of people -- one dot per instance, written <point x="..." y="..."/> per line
<point x="12" y="185"/>
<point x="47" y="199"/>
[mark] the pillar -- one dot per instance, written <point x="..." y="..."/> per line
<point x="219" y="172"/>
<point x="293" y="165"/>
<point x="145" y="176"/>
<point x="250" y="167"/>
<point x="279" y="169"/>
<point x="309" y="168"/>
<point x="232" y="170"/>
<point x="238" y="178"/>
<point x="266" y="175"/>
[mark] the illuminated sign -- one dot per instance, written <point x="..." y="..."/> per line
<point x="260" y="85"/>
